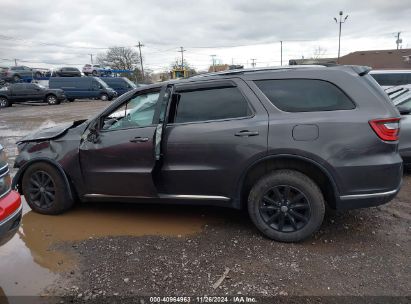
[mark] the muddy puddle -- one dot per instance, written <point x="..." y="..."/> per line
<point x="34" y="258"/>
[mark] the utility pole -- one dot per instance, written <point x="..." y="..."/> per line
<point x="91" y="58"/>
<point x="15" y="62"/>
<point x="339" y="32"/>
<point x="398" y="41"/>
<point x="253" y="62"/>
<point x="140" y="45"/>
<point x="182" y="50"/>
<point x="281" y="46"/>
<point x="213" y="58"/>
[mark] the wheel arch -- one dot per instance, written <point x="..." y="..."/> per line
<point x="18" y="178"/>
<point x="313" y="169"/>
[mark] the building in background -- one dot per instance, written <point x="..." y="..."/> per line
<point x="380" y="59"/>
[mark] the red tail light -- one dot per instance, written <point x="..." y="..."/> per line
<point x="387" y="129"/>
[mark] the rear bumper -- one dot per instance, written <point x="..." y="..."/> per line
<point x="365" y="200"/>
<point x="406" y="157"/>
<point x="11" y="223"/>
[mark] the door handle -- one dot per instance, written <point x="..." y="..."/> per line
<point x="246" y="133"/>
<point x="139" y="139"/>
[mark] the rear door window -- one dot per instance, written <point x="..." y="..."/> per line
<point x="305" y="95"/>
<point x="210" y="104"/>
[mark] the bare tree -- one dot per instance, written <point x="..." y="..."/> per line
<point x="120" y="58"/>
<point x="319" y="52"/>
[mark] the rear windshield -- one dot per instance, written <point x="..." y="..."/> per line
<point x="304" y="95"/>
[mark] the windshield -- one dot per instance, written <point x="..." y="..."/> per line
<point x="102" y="82"/>
<point x="129" y="82"/>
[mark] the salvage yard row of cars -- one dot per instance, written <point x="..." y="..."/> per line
<point x="61" y="88"/>
<point x="17" y="73"/>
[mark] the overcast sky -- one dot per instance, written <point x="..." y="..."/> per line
<point x="46" y="33"/>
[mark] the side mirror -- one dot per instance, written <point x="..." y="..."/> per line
<point x="92" y="136"/>
<point x="403" y="110"/>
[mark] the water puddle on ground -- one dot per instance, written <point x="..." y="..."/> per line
<point x="33" y="259"/>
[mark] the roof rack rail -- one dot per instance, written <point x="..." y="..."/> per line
<point x="242" y="71"/>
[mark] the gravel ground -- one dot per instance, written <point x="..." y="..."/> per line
<point x="356" y="253"/>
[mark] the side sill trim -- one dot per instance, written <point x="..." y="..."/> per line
<point x="195" y="197"/>
<point x="368" y="195"/>
<point x="165" y="196"/>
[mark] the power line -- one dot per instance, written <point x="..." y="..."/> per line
<point x="398" y="41"/>
<point x="182" y="50"/>
<point x="140" y="45"/>
<point x="213" y="59"/>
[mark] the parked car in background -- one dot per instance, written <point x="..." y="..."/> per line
<point x="82" y="87"/>
<point x="23" y="92"/>
<point x="3" y="73"/>
<point x="18" y="73"/>
<point x="401" y="98"/>
<point x="240" y="139"/>
<point x="391" y="78"/>
<point x="119" y="84"/>
<point x="10" y="202"/>
<point x="67" y="72"/>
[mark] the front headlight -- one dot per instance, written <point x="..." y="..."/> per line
<point x="3" y="156"/>
<point x="5" y="178"/>
<point x="5" y="184"/>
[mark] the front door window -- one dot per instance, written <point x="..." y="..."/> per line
<point x="137" y="112"/>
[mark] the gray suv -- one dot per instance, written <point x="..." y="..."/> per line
<point x="18" y="73"/>
<point x="282" y="143"/>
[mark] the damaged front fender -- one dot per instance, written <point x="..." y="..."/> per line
<point x="50" y="133"/>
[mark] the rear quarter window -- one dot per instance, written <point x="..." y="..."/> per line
<point x="305" y="95"/>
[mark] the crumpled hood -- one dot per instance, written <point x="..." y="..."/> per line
<point x="51" y="132"/>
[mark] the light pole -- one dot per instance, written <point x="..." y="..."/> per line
<point x="339" y="32"/>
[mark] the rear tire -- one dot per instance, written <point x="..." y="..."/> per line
<point x="16" y="78"/>
<point x="70" y="99"/>
<point x="45" y="189"/>
<point x="94" y="73"/>
<point x="4" y="102"/>
<point x="286" y="206"/>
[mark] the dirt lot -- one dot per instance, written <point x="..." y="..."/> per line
<point x="110" y="249"/>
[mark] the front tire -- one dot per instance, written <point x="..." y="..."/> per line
<point x="104" y="97"/>
<point x="16" y="78"/>
<point x="45" y="189"/>
<point x="70" y="99"/>
<point x="286" y="206"/>
<point x="4" y="102"/>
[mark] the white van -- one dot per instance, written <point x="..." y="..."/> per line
<point x="391" y="78"/>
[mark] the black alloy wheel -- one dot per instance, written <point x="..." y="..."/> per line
<point x="285" y="208"/>
<point x="42" y="189"/>
<point x="286" y="205"/>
